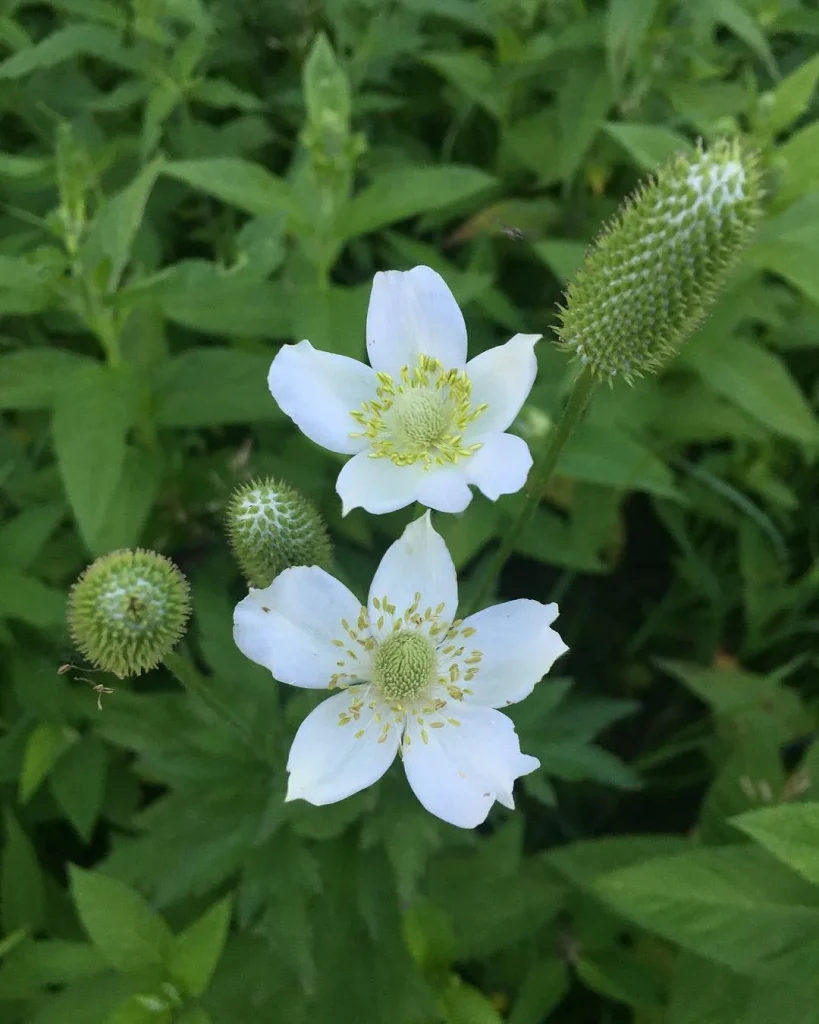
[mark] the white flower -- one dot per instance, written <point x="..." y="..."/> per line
<point x="409" y="677"/>
<point x="420" y="422"/>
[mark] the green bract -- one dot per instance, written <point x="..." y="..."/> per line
<point x="127" y="611"/>
<point x="655" y="269"/>
<point x="271" y="528"/>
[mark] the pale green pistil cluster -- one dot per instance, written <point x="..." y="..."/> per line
<point x="421" y="417"/>
<point x="404" y="665"/>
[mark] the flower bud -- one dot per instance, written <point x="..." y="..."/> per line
<point x="653" y="272"/>
<point x="127" y="611"/>
<point x="271" y="528"/>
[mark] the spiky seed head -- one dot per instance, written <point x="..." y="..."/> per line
<point x="653" y="272"/>
<point x="128" y="610"/>
<point x="272" y="527"/>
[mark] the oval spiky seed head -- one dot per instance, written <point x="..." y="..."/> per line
<point x="649" y="278"/>
<point x="271" y="528"/>
<point x="128" y="610"/>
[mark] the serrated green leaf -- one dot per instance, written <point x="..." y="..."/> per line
<point x="790" y="832"/>
<point x="733" y="905"/>
<point x="92" y="415"/>
<point x="757" y="381"/>
<point x="462" y="1004"/>
<point x="45" y="746"/>
<point x="205" y="387"/>
<point x="31" y="378"/>
<point x="22" y="890"/>
<point x="35" y="965"/>
<point x="119" y="922"/>
<point x="197" y="950"/>
<point x="66" y="43"/>
<point x="24" y="597"/>
<point x="78" y="783"/>
<point x="399" y="194"/>
<point x="650" y="145"/>
<point x="113" y="230"/>
<point x="237" y="182"/>
<point x="213" y="300"/>
<point x="627" y="24"/>
<point x="607" y="455"/>
<point x="792" y="96"/>
<point x="22" y="537"/>
<point x="18" y="273"/>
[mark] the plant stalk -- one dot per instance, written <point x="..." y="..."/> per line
<point x="190" y="679"/>
<point x="544" y="467"/>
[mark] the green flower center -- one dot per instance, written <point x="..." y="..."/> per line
<point x="419" y="417"/>
<point x="404" y="665"/>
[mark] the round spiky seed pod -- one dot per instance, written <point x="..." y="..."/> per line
<point x="271" y="528"/>
<point x="128" y="610"/>
<point x="653" y="272"/>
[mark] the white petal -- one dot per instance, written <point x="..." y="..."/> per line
<point x="335" y="754"/>
<point x="518" y="648"/>
<point x="502" y="378"/>
<point x="417" y="563"/>
<point x="318" y="391"/>
<point x="445" y="489"/>
<point x="458" y="772"/>
<point x="413" y="313"/>
<point x="289" y="627"/>
<point x="500" y="465"/>
<point x="377" y="485"/>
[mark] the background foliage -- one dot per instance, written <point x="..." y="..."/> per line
<point x="185" y="185"/>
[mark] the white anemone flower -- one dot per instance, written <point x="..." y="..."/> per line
<point x="409" y="678"/>
<point x="420" y="422"/>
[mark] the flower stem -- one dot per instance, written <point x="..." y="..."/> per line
<point x="190" y="679"/>
<point x="555" y="443"/>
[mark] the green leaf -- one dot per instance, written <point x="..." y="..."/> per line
<point x="32" y="378"/>
<point x="790" y="832"/>
<point x="78" y="784"/>
<point x="237" y="182"/>
<point x="119" y="922"/>
<point x="543" y="989"/>
<point x="17" y="273"/>
<point x="92" y="415"/>
<point x="584" y="100"/>
<point x="792" y="96"/>
<point x="213" y="300"/>
<point x="112" y="233"/>
<point x="627" y="24"/>
<point x="462" y="1004"/>
<point x="22" y="890"/>
<point x="326" y="87"/>
<point x="648" y="144"/>
<point x="66" y="43"/>
<point x="45" y="746"/>
<point x="197" y="950"/>
<point x="35" y="965"/>
<point x="706" y="993"/>
<point x="24" y="597"/>
<point x="398" y="194"/>
<point x="606" y="455"/>
<point x="735" y="17"/>
<point x="130" y="506"/>
<point x="756" y="380"/>
<point x="732" y="905"/>
<point x="22" y="538"/>
<point x="205" y="387"/>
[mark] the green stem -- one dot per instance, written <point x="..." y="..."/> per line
<point x="555" y="443"/>
<point x="190" y="679"/>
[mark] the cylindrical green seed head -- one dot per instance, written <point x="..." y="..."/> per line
<point x="649" y="278"/>
<point x="128" y="610"/>
<point x="271" y="528"/>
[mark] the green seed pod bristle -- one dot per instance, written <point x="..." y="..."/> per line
<point x="271" y="528"/>
<point x="649" y="278"/>
<point x="128" y="610"/>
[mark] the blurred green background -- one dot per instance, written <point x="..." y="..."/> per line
<point x="187" y="184"/>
